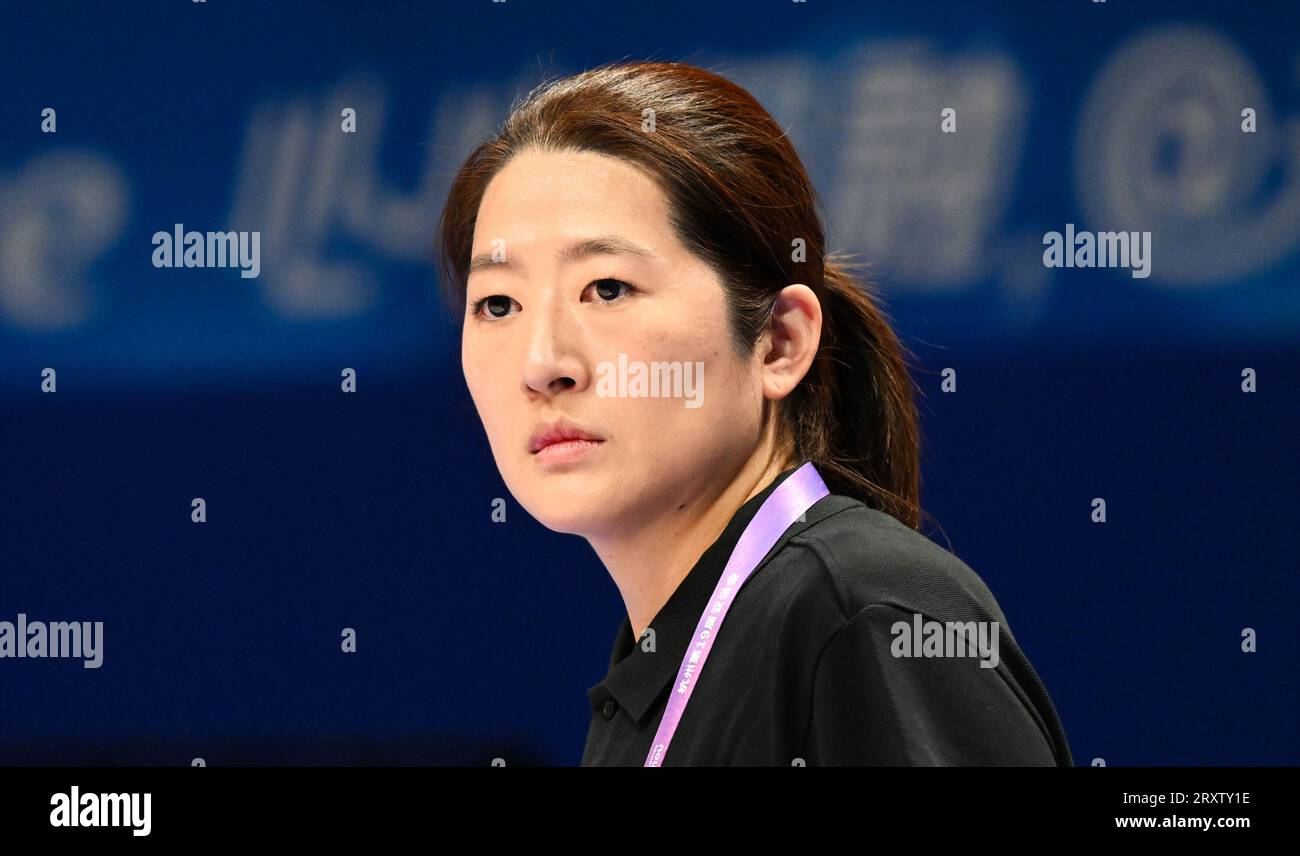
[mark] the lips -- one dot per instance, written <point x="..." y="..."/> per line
<point x="559" y="431"/>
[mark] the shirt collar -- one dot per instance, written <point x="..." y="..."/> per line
<point x="636" y="677"/>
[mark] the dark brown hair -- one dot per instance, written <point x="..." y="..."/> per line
<point x="739" y="198"/>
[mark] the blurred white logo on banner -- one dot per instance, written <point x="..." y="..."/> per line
<point x="1161" y="149"/>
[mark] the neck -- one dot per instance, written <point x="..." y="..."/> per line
<point x="648" y="562"/>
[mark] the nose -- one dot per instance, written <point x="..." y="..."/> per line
<point x="554" y="361"/>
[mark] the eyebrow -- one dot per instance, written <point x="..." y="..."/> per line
<point x="603" y="245"/>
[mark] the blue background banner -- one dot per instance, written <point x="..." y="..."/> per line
<point x="372" y="510"/>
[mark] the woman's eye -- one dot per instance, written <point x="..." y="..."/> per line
<point x="608" y="288"/>
<point x="498" y="306"/>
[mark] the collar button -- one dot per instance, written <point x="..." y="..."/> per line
<point x="609" y="708"/>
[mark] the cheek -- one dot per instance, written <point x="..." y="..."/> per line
<point x="485" y="386"/>
<point x="472" y="369"/>
<point x="670" y="427"/>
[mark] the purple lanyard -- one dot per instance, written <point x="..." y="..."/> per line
<point x="784" y="506"/>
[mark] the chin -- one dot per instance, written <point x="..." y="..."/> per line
<point x="566" y="519"/>
<point x="555" y="506"/>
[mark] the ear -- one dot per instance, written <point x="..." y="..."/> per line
<point x="790" y="341"/>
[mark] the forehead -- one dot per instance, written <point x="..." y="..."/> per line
<point x="544" y="195"/>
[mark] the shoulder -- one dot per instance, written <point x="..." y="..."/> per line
<point x="865" y="558"/>
<point x="855" y="574"/>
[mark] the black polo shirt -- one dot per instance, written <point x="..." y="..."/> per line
<point x="803" y="668"/>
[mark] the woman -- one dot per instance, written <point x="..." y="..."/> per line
<point x="666" y="363"/>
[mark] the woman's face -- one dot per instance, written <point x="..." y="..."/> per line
<point x="589" y="296"/>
